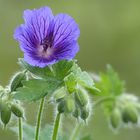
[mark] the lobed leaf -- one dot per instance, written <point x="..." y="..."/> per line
<point x="77" y="76"/>
<point x="57" y="71"/>
<point x="71" y="82"/>
<point x="110" y="83"/>
<point x="35" y="89"/>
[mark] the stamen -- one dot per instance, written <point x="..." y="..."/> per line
<point x="44" y="49"/>
<point x="46" y="44"/>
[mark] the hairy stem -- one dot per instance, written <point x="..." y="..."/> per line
<point x="76" y="131"/>
<point x="20" y="128"/>
<point x="38" y="125"/>
<point x="56" y="126"/>
<point x="104" y="99"/>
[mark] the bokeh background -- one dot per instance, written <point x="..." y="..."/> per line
<point x="110" y="33"/>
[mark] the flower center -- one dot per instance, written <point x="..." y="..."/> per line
<point x="44" y="49"/>
<point x="46" y="44"/>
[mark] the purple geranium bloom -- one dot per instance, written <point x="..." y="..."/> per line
<point x="45" y="39"/>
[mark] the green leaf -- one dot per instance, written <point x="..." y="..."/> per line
<point x="71" y="82"/>
<point x="35" y="89"/>
<point x="80" y="77"/>
<point x="110" y="83"/>
<point x="41" y="72"/>
<point x="86" y="81"/>
<point x="62" y="68"/>
<point x="63" y="71"/>
<point x="56" y="71"/>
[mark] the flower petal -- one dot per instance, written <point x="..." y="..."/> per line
<point x="26" y="38"/>
<point x="38" y="61"/>
<point x="65" y="29"/>
<point x="39" y="21"/>
<point x="66" y="50"/>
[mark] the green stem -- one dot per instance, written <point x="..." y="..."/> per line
<point x="56" y="126"/>
<point x="76" y="131"/>
<point x="100" y="101"/>
<point x="20" y="128"/>
<point x="39" y="119"/>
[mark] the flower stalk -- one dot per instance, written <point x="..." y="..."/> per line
<point x="56" y="126"/>
<point x="39" y="119"/>
<point x="102" y="100"/>
<point x="20" y="129"/>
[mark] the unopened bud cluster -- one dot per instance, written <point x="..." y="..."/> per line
<point x="77" y="103"/>
<point x="8" y="108"/>
<point x="125" y="111"/>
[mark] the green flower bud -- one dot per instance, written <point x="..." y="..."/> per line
<point x="6" y="115"/>
<point x="16" y="81"/>
<point x="81" y="97"/>
<point x="2" y="105"/>
<point x="61" y="107"/>
<point x="76" y="112"/>
<point x="69" y="104"/>
<point x="84" y="113"/>
<point x="59" y="94"/>
<point x="130" y="114"/>
<point x="115" y="118"/>
<point x="18" y="111"/>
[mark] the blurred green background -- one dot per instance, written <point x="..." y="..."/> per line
<point x="110" y="33"/>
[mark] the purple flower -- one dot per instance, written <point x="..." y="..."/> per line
<point x="45" y="38"/>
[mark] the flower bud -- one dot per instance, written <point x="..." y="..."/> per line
<point x="76" y="112"/>
<point x="130" y="114"/>
<point x="6" y="115"/>
<point x="16" y="81"/>
<point x="69" y="104"/>
<point x="2" y="105"/>
<point x="61" y="107"/>
<point x="81" y="97"/>
<point x="115" y="118"/>
<point x="59" y="94"/>
<point x="84" y="113"/>
<point x="18" y="111"/>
